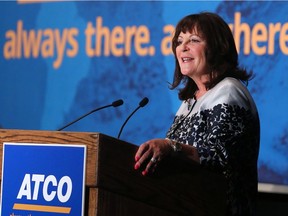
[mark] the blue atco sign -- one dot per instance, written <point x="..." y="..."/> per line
<point x="42" y="179"/>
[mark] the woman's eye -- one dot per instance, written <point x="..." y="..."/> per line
<point x="193" y="40"/>
<point x="179" y="42"/>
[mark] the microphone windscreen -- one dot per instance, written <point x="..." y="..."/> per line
<point x="117" y="103"/>
<point x="143" y="102"/>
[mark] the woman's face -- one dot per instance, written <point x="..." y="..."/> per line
<point x="190" y="54"/>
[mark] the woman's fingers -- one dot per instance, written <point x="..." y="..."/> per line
<point x="151" y="166"/>
<point x="149" y="154"/>
<point x="142" y="148"/>
<point x="143" y="155"/>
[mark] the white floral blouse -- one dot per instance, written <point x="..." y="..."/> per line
<point x="224" y="126"/>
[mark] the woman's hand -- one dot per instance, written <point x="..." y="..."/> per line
<point x="151" y="153"/>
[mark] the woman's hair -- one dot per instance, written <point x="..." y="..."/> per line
<point x="221" y="53"/>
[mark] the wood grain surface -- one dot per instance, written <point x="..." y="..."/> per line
<point x="114" y="188"/>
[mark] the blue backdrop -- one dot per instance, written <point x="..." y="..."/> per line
<point x="60" y="60"/>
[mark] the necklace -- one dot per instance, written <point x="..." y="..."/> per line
<point x="173" y="131"/>
<point x="190" y="104"/>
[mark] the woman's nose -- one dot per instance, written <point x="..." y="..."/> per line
<point x="184" y="46"/>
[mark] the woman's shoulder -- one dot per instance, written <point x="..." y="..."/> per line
<point x="229" y="83"/>
<point x="229" y="91"/>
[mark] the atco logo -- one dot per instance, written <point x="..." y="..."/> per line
<point x="51" y="183"/>
<point x="47" y="186"/>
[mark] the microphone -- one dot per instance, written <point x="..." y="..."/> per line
<point x="114" y="104"/>
<point x="142" y="103"/>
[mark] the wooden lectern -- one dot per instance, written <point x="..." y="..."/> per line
<point x="114" y="188"/>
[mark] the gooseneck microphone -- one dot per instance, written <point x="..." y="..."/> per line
<point x="114" y="104"/>
<point x="142" y="103"/>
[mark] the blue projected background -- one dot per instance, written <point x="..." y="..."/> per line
<point x="54" y="67"/>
